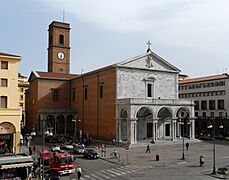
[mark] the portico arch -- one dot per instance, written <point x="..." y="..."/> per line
<point x="183" y="115"/>
<point x="123" y="116"/>
<point x="60" y="124"/>
<point x="164" y="126"/>
<point x="144" y="123"/>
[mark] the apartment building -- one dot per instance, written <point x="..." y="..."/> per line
<point x="23" y="85"/>
<point x="210" y="95"/>
<point x="10" y="113"/>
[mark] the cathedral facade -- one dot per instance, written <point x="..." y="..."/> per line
<point x="130" y="101"/>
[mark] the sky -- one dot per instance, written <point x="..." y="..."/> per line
<point x="192" y="35"/>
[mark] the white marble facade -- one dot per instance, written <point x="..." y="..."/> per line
<point x="147" y="101"/>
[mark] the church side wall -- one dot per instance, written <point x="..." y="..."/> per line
<point x="97" y="114"/>
<point x="131" y="84"/>
<point x="41" y="97"/>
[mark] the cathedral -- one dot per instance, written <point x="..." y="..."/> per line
<point x="130" y="101"/>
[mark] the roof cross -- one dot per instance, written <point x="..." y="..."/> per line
<point x="149" y="44"/>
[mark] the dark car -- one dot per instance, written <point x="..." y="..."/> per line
<point x="90" y="154"/>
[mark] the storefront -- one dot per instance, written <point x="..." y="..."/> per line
<point x="15" y="166"/>
<point x="7" y="131"/>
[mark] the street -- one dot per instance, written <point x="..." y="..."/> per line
<point x="142" y="165"/>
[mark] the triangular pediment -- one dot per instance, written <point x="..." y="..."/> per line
<point x="149" y="61"/>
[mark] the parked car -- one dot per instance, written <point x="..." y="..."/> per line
<point x="67" y="146"/>
<point x="50" y="139"/>
<point x="90" y="154"/>
<point x="55" y="147"/>
<point x="78" y="149"/>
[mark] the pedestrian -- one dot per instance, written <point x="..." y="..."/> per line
<point x="147" y="148"/>
<point x="30" y="151"/>
<point x="201" y="160"/>
<point x="187" y="146"/>
<point x="34" y="148"/>
<point x="115" y="154"/>
<point x="79" y="172"/>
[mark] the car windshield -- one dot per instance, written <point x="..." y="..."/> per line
<point x="65" y="160"/>
<point x="79" y="147"/>
<point x="91" y="151"/>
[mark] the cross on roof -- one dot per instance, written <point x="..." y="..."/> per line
<point x="149" y="44"/>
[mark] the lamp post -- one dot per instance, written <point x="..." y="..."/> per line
<point x="183" y="158"/>
<point x="182" y="115"/>
<point x="213" y="139"/>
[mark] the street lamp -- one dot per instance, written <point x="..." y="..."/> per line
<point x="182" y="115"/>
<point x="213" y="139"/>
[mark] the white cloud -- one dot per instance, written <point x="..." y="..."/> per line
<point x="186" y="23"/>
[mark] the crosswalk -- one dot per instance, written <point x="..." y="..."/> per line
<point x="114" y="172"/>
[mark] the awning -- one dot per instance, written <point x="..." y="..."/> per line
<point x="10" y="166"/>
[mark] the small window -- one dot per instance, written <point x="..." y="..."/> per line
<point x="149" y="90"/>
<point x="196" y="105"/>
<point x="56" y="94"/>
<point x="3" y="101"/>
<point x="85" y="93"/>
<point x="221" y="104"/>
<point x="211" y="104"/>
<point x="4" y="82"/>
<point x="61" y="39"/>
<point x="61" y="70"/>
<point x="21" y="89"/>
<point x="4" y="65"/>
<point x="100" y="91"/>
<point x="204" y="105"/>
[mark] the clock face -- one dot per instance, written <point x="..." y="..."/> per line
<point x="60" y="55"/>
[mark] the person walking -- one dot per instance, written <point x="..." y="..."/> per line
<point x="147" y="148"/>
<point x="30" y="151"/>
<point x="34" y="148"/>
<point x="79" y="172"/>
<point x="187" y="146"/>
<point x="201" y="160"/>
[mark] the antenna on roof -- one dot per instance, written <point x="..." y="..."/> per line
<point x="81" y="71"/>
<point x="63" y="16"/>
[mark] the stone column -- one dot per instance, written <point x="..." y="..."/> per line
<point x="133" y="131"/>
<point x="174" y="129"/>
<point x="155" y="130"/>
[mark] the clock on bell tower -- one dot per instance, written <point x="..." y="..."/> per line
<point x="58" y="47"/>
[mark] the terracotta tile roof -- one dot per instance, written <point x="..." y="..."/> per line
<point x="6" y="54"/>
<point x="206" y="78"/>
<point x="56" y="75"/>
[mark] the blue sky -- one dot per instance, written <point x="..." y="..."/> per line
<point x="190" y="34"/>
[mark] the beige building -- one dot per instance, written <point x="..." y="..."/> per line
<point x="210" y="94"/>
<point x="10" y="112"/>
<point x="23" y="85"/>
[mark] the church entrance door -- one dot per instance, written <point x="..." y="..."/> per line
<point x="149" y="129"/>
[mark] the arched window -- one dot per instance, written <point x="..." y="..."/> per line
<point x="61" y="39"/>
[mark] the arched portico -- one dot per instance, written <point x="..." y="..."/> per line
<point x="61" y="122"/>
<point x="164" y="126"/>
<point x="144" y="123"/>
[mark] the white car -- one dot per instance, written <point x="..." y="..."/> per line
<point x="67" y="146"/>
<point x="55" y="147"/>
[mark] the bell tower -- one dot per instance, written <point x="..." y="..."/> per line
<point x="58" y="47"/>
